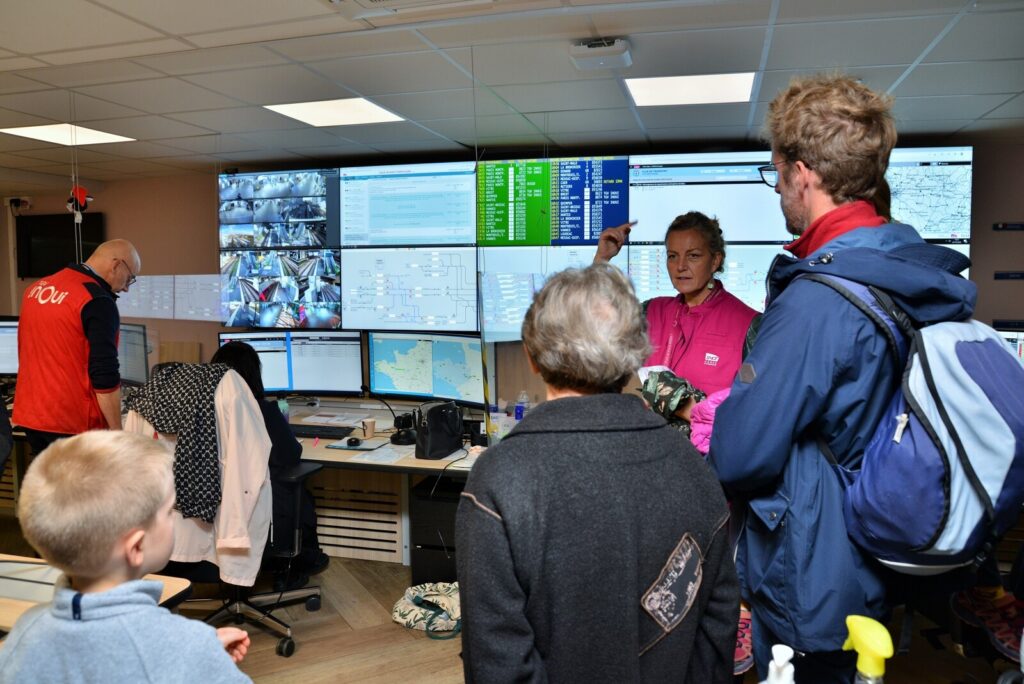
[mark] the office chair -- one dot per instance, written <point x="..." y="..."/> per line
<point x="242" y="605"/>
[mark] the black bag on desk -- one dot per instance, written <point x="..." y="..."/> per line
<point x="438" y="429"/>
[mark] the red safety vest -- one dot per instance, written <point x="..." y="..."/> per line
<point x="54" y="392"/>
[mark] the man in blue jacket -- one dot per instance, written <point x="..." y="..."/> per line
<point x="820" y="369"/>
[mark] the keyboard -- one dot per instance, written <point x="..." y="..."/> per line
<point x="321" y="431"/>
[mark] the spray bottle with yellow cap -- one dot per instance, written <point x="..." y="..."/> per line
<point x="873" y="644"/>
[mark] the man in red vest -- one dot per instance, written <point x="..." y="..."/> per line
<point x="68" y="373"/>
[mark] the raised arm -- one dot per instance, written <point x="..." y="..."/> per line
<point x="611" y="241"/>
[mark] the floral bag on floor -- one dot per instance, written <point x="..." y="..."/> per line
<point x="432" y="607"/>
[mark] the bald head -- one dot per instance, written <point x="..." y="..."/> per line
<point x="117" y="262"/>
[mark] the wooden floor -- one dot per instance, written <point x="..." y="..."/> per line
<point x="352" y="638"/>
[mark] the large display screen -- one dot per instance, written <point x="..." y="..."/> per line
<point x="8" y="347"/>
<point x="308" y="362"/>
<point x="426" y="365"/>
<point x="931" y="190"/>
<point x="132" y="354"/>
<point x="550" y="201"/>
<point x="410" y="288"/>
<point x="410" y="204"/>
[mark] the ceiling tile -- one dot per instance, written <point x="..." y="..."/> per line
<point x="993" y="35"/>
<point x="484" y="127"/>
<point x="950" y="107"/>
<point x="15" y="161"/>
<point x="929" y="127"/>
<point x="876" y="78"/>
<point x="493" y="145"/>
<point x="212" y="59"/>
<point x="159" y="96"/>
<point x="292" y="29"/>
<point x="194" y="163"/>
<point x="381" y="132"/>
<point x="964" y="78"/>
<point x="400" y="148"/>
<point x="192" y="16"/>
<point x="566" y="96"/>
<point x="58" y="106"/>
<point x="339" y="149"/>
<point x="139" y="150"/>
<point x="303" y="137"/>
<point x="821" y="46"/>
<point x="812" y="10"/>
<point x="408" y="72"/>
<point x="9" y="119"/>
<point x="12" y="143"/>
<point x="212" y="144"/>
<point x="443" y="104"/>
<point x="261" y="156"/>
<point x="699" y="134"/>
<point x="15" y="63"/>
<point x="28" y="25"/>
<point x="734" y="114"/>
<point x="684" y="53"/>
<point x="271" y="85"/>
<point x="513" y="63"/>
<point x="146" y="127"/>
<point x="997" y="128"/>
<point x="15" y="83"/>
<point x="570" y="29"/>
<point x="589" y="120"/>
<point x="129" y="166"/>
<point x="62" y="155"/>
<point x="351" y="44"/>
<point x="630" y="21"/>
<point x="599" y="138"/>
<point x="1014" y="109"/>
<point x="238" y="120"/>
<point x="90" y="74"/>
<point x="151" y="47"/>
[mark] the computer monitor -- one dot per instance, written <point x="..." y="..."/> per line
<point x="131" y="354"/>
<point x="8" y="348"/>
<point x="427" y="366"/>
<point x="566" y="201"/>
<point x="408" y="204"/>
<point x="409" y="288"/>
<point x="326" y="362"/>
<point x="275" y="359"/>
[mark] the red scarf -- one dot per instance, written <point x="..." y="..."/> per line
<point x="829" y="226"/>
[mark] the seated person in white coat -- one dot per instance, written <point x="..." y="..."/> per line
<point x="221" y="453"/>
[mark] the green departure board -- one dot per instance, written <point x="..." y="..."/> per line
<point x="513" y="203"/>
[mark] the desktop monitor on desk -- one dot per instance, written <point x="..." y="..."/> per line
<point x="423" y="365"/>
<point x="132" y="354"/>
<point x="8" y="348"/>
<point x="322" y="362"/>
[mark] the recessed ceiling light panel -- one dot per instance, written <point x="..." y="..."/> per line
<point x="347" y="112"/>
<point x="689" y="90"/>
<point x="66" y="134"/>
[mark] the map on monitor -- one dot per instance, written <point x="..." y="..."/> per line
<point x="931" y="190"/>
<point x="425" y="365"/>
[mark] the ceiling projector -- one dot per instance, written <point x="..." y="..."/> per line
<point x="605" y="53"/>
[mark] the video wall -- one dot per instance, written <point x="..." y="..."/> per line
<point x="460" y="247"/>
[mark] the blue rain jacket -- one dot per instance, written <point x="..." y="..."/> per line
<point x="820" y="367"/>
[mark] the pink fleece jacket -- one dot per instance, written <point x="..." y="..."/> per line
<point x="704" y="343"/>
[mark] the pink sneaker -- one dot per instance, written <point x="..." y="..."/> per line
<point x="743" y="659"/>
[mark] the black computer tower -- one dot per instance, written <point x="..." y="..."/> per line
<point x="432" y="529"/>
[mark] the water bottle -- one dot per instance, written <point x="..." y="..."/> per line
<point x="522" y="406"/>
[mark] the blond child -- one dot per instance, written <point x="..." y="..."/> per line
<point x="98" y="506"/>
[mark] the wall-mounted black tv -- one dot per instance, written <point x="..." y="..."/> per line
<point x="46" y="242"/>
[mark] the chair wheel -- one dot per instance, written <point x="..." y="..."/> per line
<point x="313" y="604"/>
<point x="286" y="647"/>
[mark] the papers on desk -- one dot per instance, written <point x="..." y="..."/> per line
<point x="384" y="455"/>
<point x="354" y="419"/>
<point x="462" y="460"/>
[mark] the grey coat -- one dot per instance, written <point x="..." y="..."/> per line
<point x="591" y="546"/>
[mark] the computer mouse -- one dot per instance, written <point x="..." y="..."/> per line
<point x="354" y="441"/>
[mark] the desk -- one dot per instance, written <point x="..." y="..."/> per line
<point x="16" y="597"/>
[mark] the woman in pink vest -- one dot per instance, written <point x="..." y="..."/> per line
<point x="700" y="335"/>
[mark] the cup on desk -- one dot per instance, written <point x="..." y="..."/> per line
<point x="369" y="428"/>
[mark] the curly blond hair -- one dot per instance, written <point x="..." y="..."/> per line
<point x="839" y="128"/>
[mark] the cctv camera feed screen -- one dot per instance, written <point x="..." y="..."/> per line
<point x="550" y="201"/>
<point x="281" y="288"/>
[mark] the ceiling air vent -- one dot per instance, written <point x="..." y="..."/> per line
<point x="364" y="9"/>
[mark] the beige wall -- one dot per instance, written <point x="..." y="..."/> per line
<point x="173" y="222"/>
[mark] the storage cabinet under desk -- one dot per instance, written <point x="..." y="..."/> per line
<point x="432" y="507"/>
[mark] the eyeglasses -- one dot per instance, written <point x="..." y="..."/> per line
<point x="131" y="276"/>
<point x="769" y="174"/>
